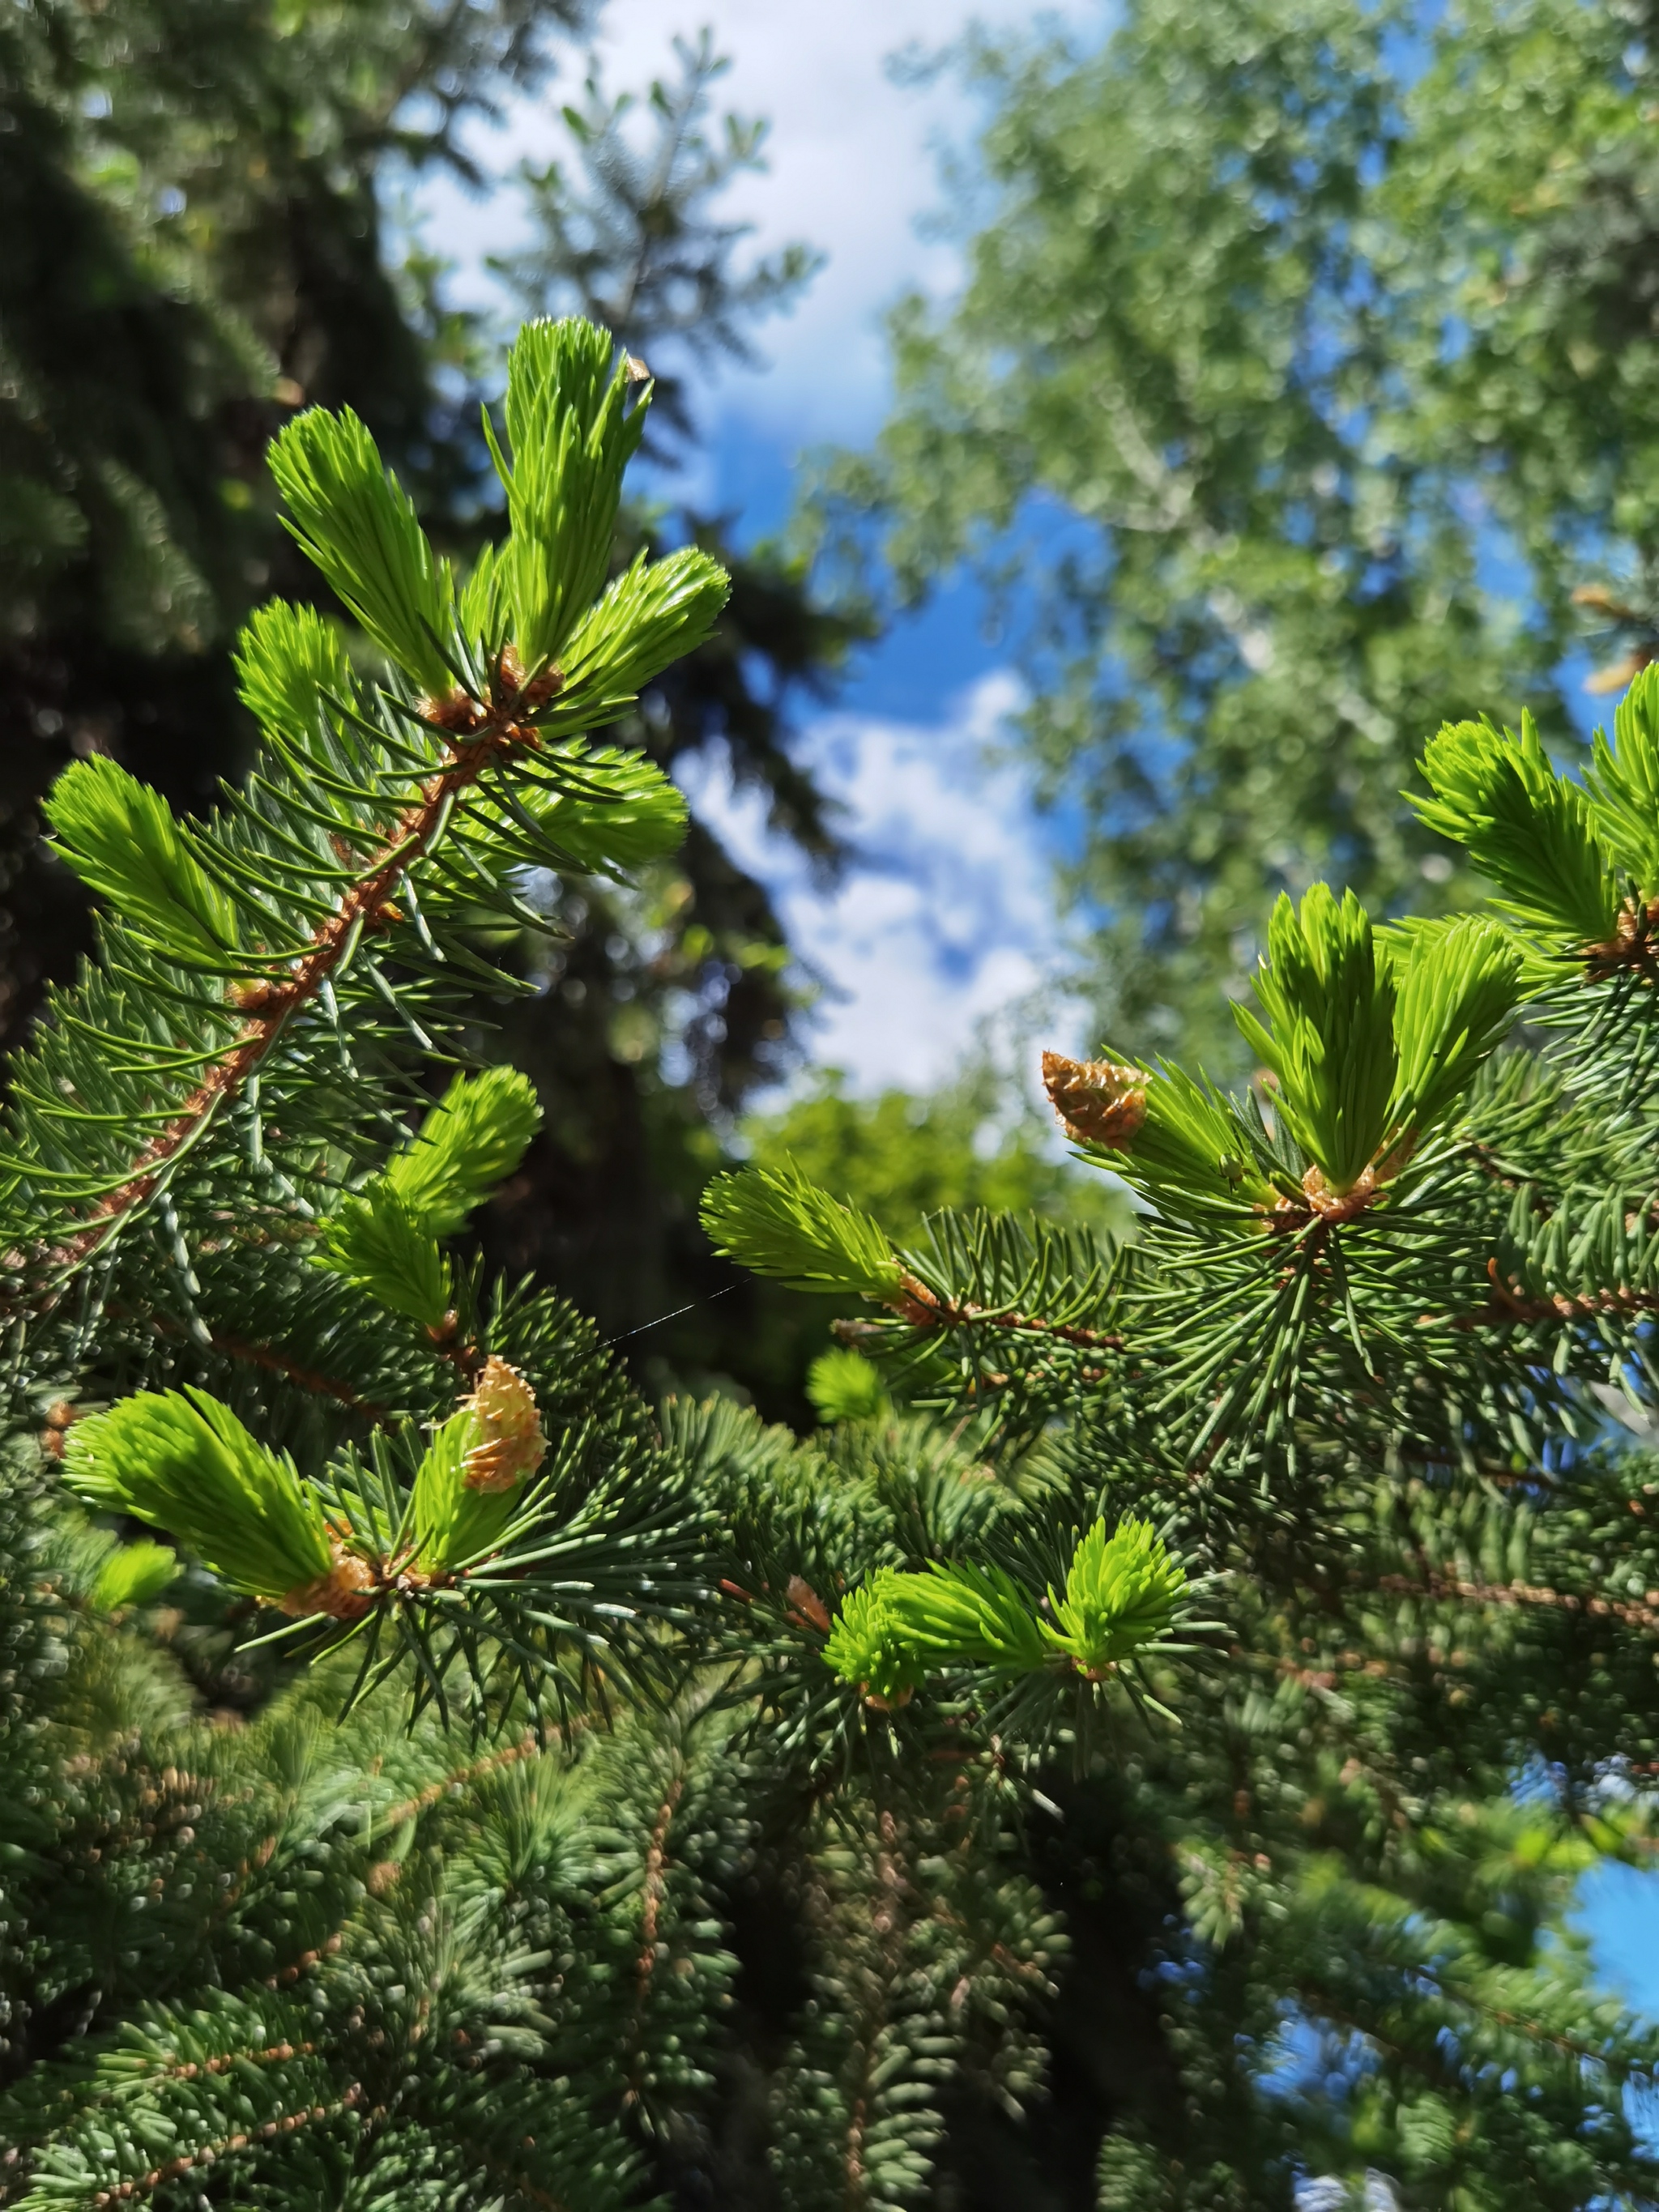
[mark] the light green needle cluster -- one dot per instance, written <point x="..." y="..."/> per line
<point x="1371" y="1039"/>
<point x="134" y="1574"/>
<point x="289" y="660"/>
<point x="385" y="1236"/>
<point x="1125" y="1592"/>
<point x="470" y="1482"/>
<point x="618" y="812"/>
<point x="870" y="1646"/>
<point x="183" y="1462"/>
<point x="1191" y="1145"/>
<point x="449" y="1521"/>
<point x="473" y="1138"/>
<point x="654" y="612"/>
<point x="1457" y="995"/>
<point x="121" y="839"/>
<point x="845" y="1386"/>
<point x="360" y="527"/>
<point x="454" y="1522"/>
<point x="775" y="1222"/>
<point x="376" y="1242"/>
<point x="1530" y="831"/>
<point x="1623" y="782"/>
<point x="1368" y="1053"/>
<point x="1329" y="1036"/>
<point x="572" y="432"/>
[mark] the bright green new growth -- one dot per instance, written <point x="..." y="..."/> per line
<point x="1527" y="829"/>
<point x="958" y="1614"/>
<point x="473" y="1138"/>
<point x="442" y="1501"/>
<point x="775" y="1222"/>
<point x="1123" y="1592"/>
<point x="572" y="433"/>
<point x="182" y="1461"/>
<point x="1190" y="1145"/>
<point x="1624" y="783"/>
<point x="356" y="523"/>
<point x="629" y="812"/>
<point x="384" y="1238"/>
<point x="654" y="612"/>
<point x="844" y="1386"/>
<point x="455" y="1523"/>
<point x="287" y="659"/>
<point x="377" y="1243"/>
<point x="1456" y="995"/>
<point x="134" y="1574"/>
<point x="869" y="1648"/>
<point x="1331" y="1005"/>
<point x="1370" y="1049"/>
<point x="120" y="838"/>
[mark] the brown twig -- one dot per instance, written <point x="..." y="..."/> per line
<point x="474" y="735"/>
<point x="924" y="1309"/>
<point x="652" y="1890"/>
<point x="1525" y="1594"/>
<point x="142" y="2185"/>
<point x="262" y="1355"/>
<point x="1511" y="1306"/>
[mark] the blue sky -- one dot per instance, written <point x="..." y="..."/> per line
<point x="946" y="922"/>
<point x="946" y="918"/>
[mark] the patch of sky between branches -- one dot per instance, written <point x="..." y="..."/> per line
<point x="946" y="919"/>
<point x="1618" y="1910"/>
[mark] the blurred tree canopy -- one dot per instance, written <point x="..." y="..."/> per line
<point x="203" y="225"/>
<point x="901" y="1156"/>
<point x="1301" y="392"/>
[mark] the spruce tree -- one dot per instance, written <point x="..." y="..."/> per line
<point x="409" y="1897"/>
<point x="1199" y="1667"/>
<point x="206" y="229"/>
<point x="1307" y="1607"/>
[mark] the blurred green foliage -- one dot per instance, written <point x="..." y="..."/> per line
<point x="975" y="1142"/>
<point x="1302" y="375"/>
<point x="903" y="1155"/>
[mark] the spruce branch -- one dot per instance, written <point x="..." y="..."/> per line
<point x="1623" y="784"/>
<point x="366" y="906"/>
<point x="1123" y="1597"/>
<point x="1593" y="1606"/>
<point x="184" y="1463"/>
<point x="572" y="432"/>
<point x="1330" y="1039"/>
<point x="470" y="1141"/>
<point x="121" y="839"/>
<point x="310" y="874"/>
<point x="1528" y="831"/>
<point x="358" y="526"/>
<point x="778" y="1223"/>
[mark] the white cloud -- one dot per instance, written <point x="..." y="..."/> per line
<point x="947" y="915"/>
<point x="950" y="916"/>
<point x="853" y="167"/>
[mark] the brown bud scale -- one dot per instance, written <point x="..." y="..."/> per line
<point x="345" y="1592"/>
<point x="511" y="1444"/>
<point x="1097" y="1101"/>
